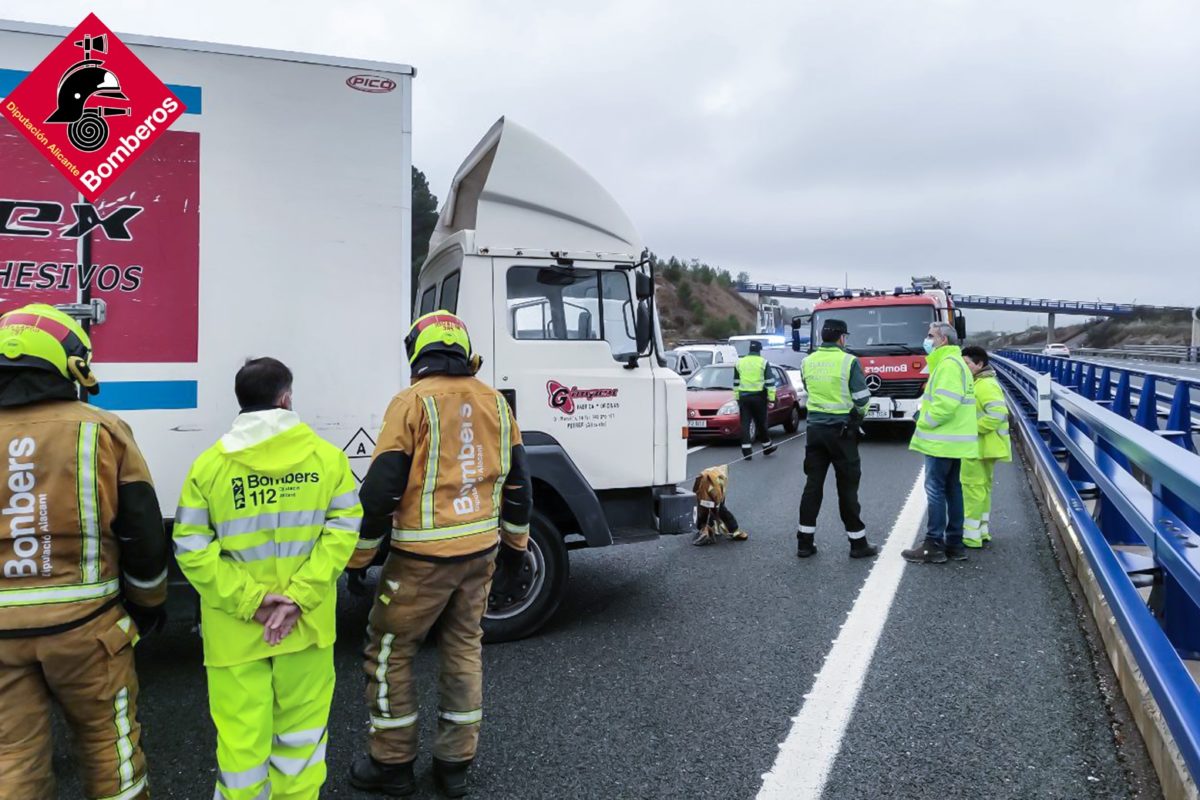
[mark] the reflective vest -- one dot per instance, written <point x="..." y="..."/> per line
<point x="60" y="559"/>
<point x="271" y="507"/>
<point x="946" y="426"/>
<point x="991" y="414"/>
<point x="752" y="375"/>
<point x="826" y="373"/>
<point x="459" y="433"/>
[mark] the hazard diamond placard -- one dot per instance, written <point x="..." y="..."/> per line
<point x="91" y="107"/>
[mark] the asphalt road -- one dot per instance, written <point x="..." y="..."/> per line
<point x="673" y="672"/>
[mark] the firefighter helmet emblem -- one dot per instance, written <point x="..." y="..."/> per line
<point x="83" y="81"/>
<point x="874" y="382"/>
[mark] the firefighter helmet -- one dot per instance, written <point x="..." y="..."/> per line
<point x="39" y="336"/>
<point x="82" y="82"/>
<point x="438" y="331"/>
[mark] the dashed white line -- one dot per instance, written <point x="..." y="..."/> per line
<point x="807" y="755"/>
<point x="696" y="449"/>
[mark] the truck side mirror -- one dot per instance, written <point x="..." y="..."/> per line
<point x="643" y="327"/>
<point x="643" y="285"/>
<point x="960" y="326"/>
<point x="797" y="323"/>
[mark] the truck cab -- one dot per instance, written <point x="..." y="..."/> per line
<point x="547" y="272"/>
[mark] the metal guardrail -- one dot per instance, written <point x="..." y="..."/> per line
<point x="1146" y="491"/>
<point x="1156" y="395"/>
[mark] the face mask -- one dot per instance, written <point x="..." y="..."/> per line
<point x="928" y="344"/>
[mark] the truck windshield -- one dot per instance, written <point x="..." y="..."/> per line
<point x="716" y="377"/>
<point x="879" y="328"/>
<point x="570" y="304"/>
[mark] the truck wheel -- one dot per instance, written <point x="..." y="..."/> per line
<point x="793" y="421"/>
<point x="550" y="570"/>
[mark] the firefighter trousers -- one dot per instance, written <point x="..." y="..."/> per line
<point x="414" y="595"/>
<point x="89" y="670"/>
<point x="271" y="716"/>
<point x="754" y="407"/>
<point x="977" y="476"/>
<point x="825" y="448"/>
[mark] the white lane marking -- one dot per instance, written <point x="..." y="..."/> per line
<point x="696" y="449"/>
<point x="807" y="755"/>
<point x="779" y="444"/>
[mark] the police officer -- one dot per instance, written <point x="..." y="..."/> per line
<point x="754" y="388"/>
<point x="267" y="520"/>
<point x="449" y="483"/>
<point x="83" y="564"/>
<point x="837" y="401"/>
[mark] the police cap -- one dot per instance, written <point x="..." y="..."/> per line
<point x="833" y="329"/>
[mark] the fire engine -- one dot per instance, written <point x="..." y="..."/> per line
<point x="886" y="332"/>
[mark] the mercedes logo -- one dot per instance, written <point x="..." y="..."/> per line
<point x="874" y="382"/>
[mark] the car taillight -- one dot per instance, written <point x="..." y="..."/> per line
<point x="685" y="432"/>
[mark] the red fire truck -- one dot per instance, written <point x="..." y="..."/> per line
<point x="886" y="332"/>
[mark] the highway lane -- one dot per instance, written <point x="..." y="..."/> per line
<point x="673" y="671"/>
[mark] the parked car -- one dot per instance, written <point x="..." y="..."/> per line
<point x="741" y="343"/>
<point x="707" y="354"/>
<point x="1056" y="350"/>
<point x="713" y="411"/>
<point x="681" y="362"/>
<point x="797" y="380"/>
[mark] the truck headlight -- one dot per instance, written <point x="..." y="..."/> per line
<point x="729" y="408"/>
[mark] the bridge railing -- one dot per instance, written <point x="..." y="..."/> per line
<point x="1140" y="529"/>
<point x="1144" y="396"/>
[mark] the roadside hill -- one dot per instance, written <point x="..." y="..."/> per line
<point x="1143" y="327"/>
<point x="697" y="301"/>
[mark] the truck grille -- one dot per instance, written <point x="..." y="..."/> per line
<point x="900" y="389"/>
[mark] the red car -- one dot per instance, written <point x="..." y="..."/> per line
<point x="713" y="411"/>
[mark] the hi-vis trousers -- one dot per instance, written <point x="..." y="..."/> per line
<point x="271" y="717"/>
<point x="89" y="671"/>
<point x="413" y="596"/>
<point x="977" y="475"/>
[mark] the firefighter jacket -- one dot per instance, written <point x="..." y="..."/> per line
<point x="449" y="478"/>
<point x="991" y="414"/>
<point x="836" y="385"/>
<point x="81" y="525"/>
<point x="752" y="375"/>
<point x="946" y="426"/>
<point x="271" y="507"/>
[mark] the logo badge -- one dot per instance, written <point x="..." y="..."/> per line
<point x="91" y="107"/>
<point x="239" y="494"/>
<point x="375" y="84"/>
<point x="564" y="398"/>
<point x="874" y="382"/>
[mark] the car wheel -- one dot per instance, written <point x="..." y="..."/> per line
<point x="793" y="421"/>
<point x="753" y="428"/>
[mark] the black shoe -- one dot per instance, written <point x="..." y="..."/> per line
<point x="748" y="455"/>
<point x="769" y="448"/>
<point x="805" y="546"/>
<point x="956" y="553"/>
<point x="394" y="780"/>
<point x="926" y="553"/>
<point x="861" y="548"/>
<point x="451" y="777"/>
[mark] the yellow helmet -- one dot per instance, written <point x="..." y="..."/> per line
<point x="39" y="336"/>
<point x="437" y="331"/>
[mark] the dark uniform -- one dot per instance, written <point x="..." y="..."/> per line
<point x="837" y="401"/>
<point x="754" y="388"/>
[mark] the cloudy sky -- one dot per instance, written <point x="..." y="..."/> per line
<point x="1021" y="147"/>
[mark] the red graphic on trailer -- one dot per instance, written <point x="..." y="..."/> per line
<point x="138" y="249"/>
<point x="92" y="108"/>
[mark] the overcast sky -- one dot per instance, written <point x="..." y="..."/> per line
<point x="1023" y="148"/>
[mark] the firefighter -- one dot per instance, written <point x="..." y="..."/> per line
<point x="449" y="483"/>
<point x="945" y="434"/>
<point x="991" y="415"/>
<point x="754" y="388"/>
<point x="837" y="402"/>
<point x="267" y="519"/>
<point x="84" y="564"/>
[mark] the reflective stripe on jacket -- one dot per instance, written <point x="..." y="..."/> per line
<point x="946" y="426"/>
<point x="271" y="507"/>
<point x="752" y="375"/>
<point x="991" y="414"/>
<point x="835" y="384"/>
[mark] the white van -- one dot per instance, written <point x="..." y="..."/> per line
<point x="707" y="354"/>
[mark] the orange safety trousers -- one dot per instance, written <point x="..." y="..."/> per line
<point x="89" y="670"/>
<point x="415" y="595"/>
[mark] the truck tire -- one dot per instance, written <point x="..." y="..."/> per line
<point x="551" y="568"/>
<point x="793" y="421"/>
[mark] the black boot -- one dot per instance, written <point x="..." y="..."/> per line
<point x="769" y="448"/>
<point x="805" y="546"/>
<point x="861" y="548"/>
<point x="394" y="780"/>
<point x="927" y="552"/>
<point x="451" y="777"/>
<point x="748" y="453"/>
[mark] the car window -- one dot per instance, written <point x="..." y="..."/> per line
<point x="781" y="378"/>
<point x="674" y="360"/>
<point x="714" y="377"/>
<point x="703" y="357"/>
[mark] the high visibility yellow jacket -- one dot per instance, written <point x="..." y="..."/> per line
<point x="946" y="426"/>
<point x="271" y="507"/>
<point x="991" y="414"/>
<point x="81" y="523"/>
<point x="752" y="375"/>
<point x="836" y="385"/>
<point x="449" y="470"/>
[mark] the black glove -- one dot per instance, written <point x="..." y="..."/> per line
<point x="514" y="575"/>
<point x="149" y="619"/>
<point x="357" y="582"/>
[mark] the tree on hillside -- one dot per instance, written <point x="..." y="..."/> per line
<point x="424" y="219"/>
